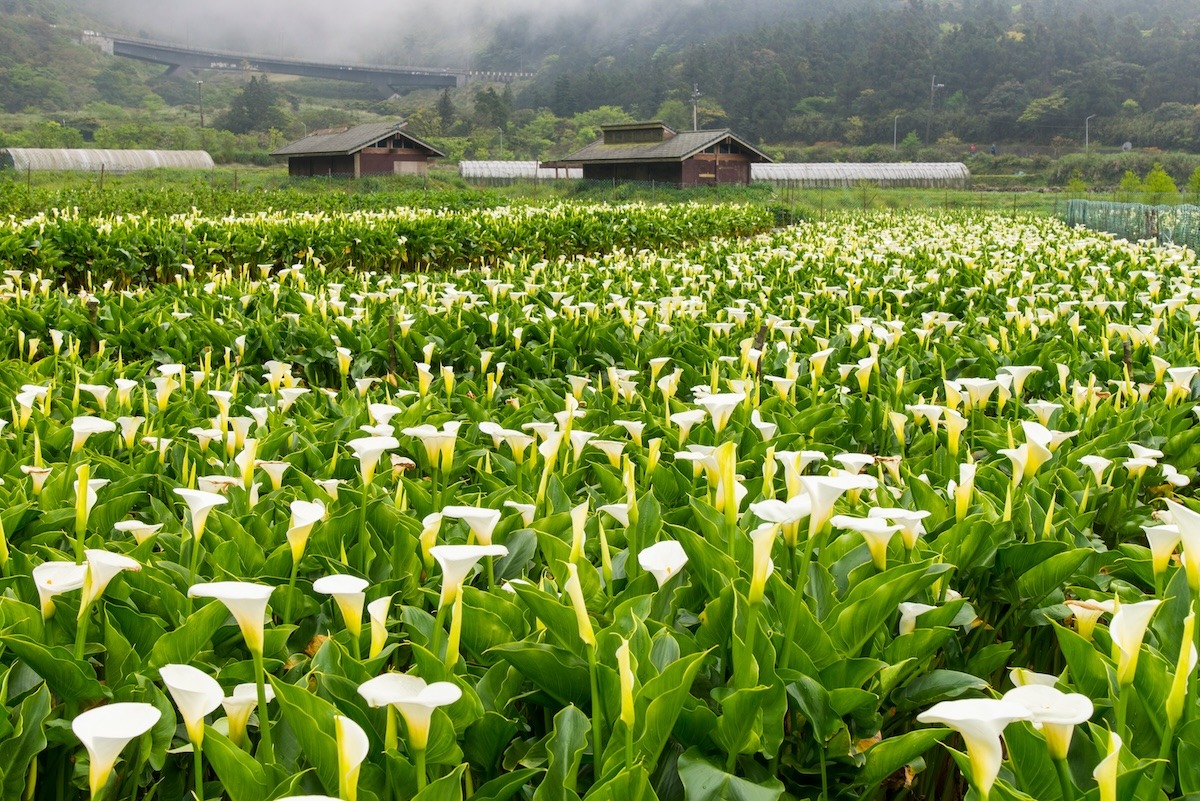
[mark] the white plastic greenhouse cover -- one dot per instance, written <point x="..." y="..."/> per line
<point x="844" y="175"/>
<point x="112" y="161"/>
<point x="513" y="170"/>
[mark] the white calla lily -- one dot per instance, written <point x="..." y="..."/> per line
<point x="663" y="560"/>
<point x="980" y="721"/>
<point x="195" y="693"/>
<point x="106" y="730"/>
<point x="1058" y="713"/>
<point x="413" y="698"/>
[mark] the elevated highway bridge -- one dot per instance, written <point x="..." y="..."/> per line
<point x="388" y="79"/>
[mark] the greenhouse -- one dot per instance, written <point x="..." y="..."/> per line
<point x="34" y="159"/>
<point x="935" y="175"/>
<point x="508" y="171"/>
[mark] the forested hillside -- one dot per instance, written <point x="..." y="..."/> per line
<point x="1029" y="72"/>
<point x="781" y="72"/>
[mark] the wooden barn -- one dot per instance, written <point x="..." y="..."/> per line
<point x="377" y="148"/>
<point x="652" y="151"/>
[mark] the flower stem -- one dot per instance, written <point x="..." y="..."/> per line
<point x="439" y="623"/>
<point x="597" y="711"/>
<point x="265" y="749"/>
<point x="81" y="627"/>
<point x="198" y="766"/>
<point x="360" y="546"/>
<point x="419" y="759"/>
<point x="1064" y="780"/>
<point x="797" y="599"/>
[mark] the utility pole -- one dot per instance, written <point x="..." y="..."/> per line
<point x="200" y="94"/>
<point x="1086" y="133"/>
<point x="933" y="87"/>
<point x="695" y="104"/>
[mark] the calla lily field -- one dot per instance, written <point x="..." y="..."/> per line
<point x="597" y="502"/>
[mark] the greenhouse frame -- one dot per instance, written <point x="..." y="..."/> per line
<point x="34" y="159"/>
<point x="509" y="171"/>
<point x="930" y="175"/>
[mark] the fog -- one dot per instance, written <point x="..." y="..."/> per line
<point x="399" y="33"/>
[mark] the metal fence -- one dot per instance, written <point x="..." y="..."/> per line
<point x="1177" y="225"/>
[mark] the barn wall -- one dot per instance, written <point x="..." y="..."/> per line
<point x="707" y="169"/>
<point x="309" y="166"/>
<point x="663" y="172"/>
<point x="387" y="162"/>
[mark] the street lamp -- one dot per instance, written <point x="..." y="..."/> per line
<point x="933" y="87"/>
<point x="200" y="94"/>
<point x="1086" y="141"/>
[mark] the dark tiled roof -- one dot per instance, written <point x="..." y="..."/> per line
<point x="677" y="148"/>
<point x="343" y="143"/>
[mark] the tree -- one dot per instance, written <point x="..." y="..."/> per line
<point x="1158" y="184"/>
<point x="1129" y="186"/>
<point x="445" y="110"/>
<point x="1193" y="184"/>
<point x="255" y="108"/>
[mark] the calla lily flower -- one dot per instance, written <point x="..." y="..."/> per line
<point x="348" y="593"/>
<point x="663" y="560"/>
<point x="1023" y="676"/>
<point x="1188" y="523"/>
<point x="762" y="567"/>
<point x="980" y="721"/>
<point x="195" y="693"/>
<point x="456" y="562"/>
<point x="1056" y="712"/>
<point x="353" y="747"/>
<point x="1163" y="540"/>
<point x="305" y="515"/>
<point x="1097" y="464"/>
<point x="876" y="531"/>
<point x="1087" y="613"/>
<point x="1105" y="773"/>
<point x="414" y="699"/>
<point x="84" y="426"/>
<point x="102" y="567"/>
<point x="200" y="503"/>
<point x="140" y="530"/>
<point x="368" y="450"/>
<point x="482" y="522"/>
<point x="909" y="521"/>
<point x="1128" y="629"/>
<point x="377" y="612"/>
<point x="909" y="612"/>
<point x="106" y="730"/>
<point x="53" y="578"/>
<point x="574" y="591"/>
<point x="239" y="704"/>
<point x="246" y="601"/>
<point x="721" y="407"/>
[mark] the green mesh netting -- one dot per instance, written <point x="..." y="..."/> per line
<point x="1177" y="225"/>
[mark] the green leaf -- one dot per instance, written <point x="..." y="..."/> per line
<point x="242" y="777"/>
<point x="891" y="754"/>
<point x="813" y="701"/>
<point x="66" y="677"/>
<point x="447" y="788"/>
<point x="1050" y="574"/>
<point x="704" y="781"/>
<point x="937" y="685"/>
<point x="311" y="720"/>
<point x="193" y="636"/>
<point x="504" y="787"/>
<point x="1085" y="665"/>
<point x="663" y="698"/>
<point x="557" y="672"/>
<point x="564" y="751"/>
<point x="26" y="741"/>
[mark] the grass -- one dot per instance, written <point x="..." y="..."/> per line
<point x="35" y="190"/>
